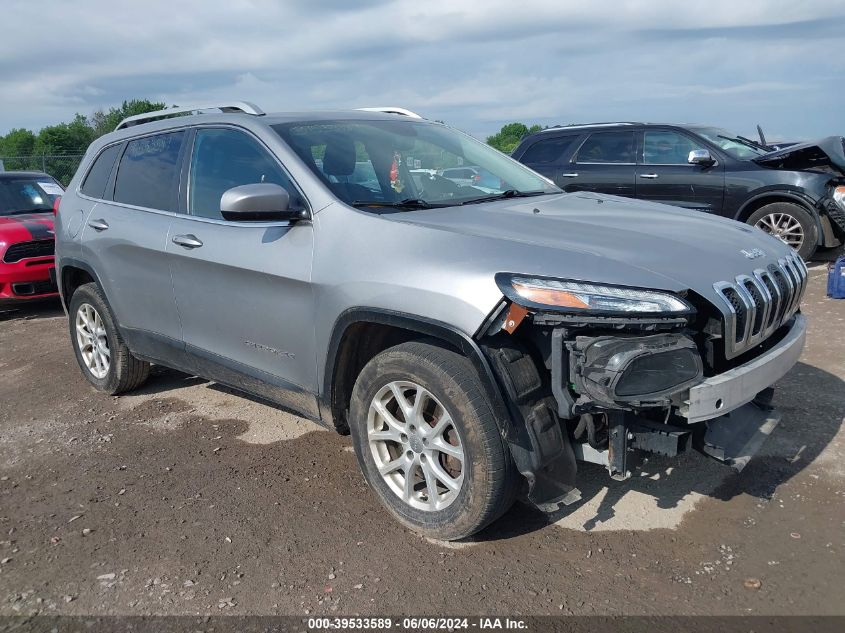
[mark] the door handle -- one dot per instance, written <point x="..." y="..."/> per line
<point x="188" y="241"/>
<point x="649" y="176"/>
<point x="569" y="175"/>
<point x="98" y="225"/>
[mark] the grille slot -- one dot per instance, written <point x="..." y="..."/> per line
<point x="756" y="305"/>
<point x="759" y="306"/>
<point x="28" y="250"/>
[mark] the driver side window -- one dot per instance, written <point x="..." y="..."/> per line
<point x="664" y="147"/>
<point x="225" y="158"/>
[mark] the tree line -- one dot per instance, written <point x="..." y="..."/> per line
<point x="72" y="137"/>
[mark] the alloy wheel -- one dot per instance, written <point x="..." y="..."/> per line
<point x="92" y="341"/>
<point x="784" y="227"/>
<point x="415" y="445"/>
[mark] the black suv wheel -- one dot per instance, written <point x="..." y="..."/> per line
<point x="790" y="223"/>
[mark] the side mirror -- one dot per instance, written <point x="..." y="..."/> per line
<point x="258" y="202"/>
<point x="700" y="157"/>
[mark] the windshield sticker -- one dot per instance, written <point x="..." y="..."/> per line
<point x="51" y="188"/>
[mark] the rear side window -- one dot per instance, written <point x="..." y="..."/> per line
<point x="149" y="171"/>
<point x="98" y="176"/>
<point x="547" y="151"/>
<point x="607" y="147"/>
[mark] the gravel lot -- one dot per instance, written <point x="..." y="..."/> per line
<point x="186" y="498"/>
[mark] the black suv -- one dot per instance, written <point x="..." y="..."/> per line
<point x="796" y="193"/>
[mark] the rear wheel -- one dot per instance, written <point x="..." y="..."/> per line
<point x="104" y="358"/>
<point x="791" y="223"/>
<point x="427" y="441"/>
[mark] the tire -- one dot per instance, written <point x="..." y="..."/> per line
<point x="485" y="484"/>
<point x="778" y="216"/>
<point x="113" y="370"/>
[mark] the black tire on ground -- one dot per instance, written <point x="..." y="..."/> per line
<point x="801" y="215"/>
<point x="125" y="371"/>
<point x="490" y="479"/>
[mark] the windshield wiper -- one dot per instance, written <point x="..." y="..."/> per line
<point x="407" y="204"/>
<point x="509" y="193"/>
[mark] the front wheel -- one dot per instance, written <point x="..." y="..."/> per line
<point x="427" y="441"/>
<point x="790" y="223"/>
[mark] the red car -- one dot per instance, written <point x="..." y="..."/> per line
<point x="27" y="242"/>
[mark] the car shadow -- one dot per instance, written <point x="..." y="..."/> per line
<point x="32" y="309"/>
<point x="163" y="379"/>
<point x="813" y="406"/>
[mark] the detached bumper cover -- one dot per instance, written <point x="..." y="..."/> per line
<point x="716" y="396"/>
<point x="736" y="437"/>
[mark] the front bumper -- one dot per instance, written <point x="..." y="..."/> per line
<point x="719" y="395"/>
<point x="27" y="279"/>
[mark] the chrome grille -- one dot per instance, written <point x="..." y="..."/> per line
<point x="753" y="306"/>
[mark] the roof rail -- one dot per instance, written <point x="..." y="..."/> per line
<point x="244" y="107"/>
<point x="393" y="110"/>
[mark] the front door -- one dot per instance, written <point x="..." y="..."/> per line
<point x="664" y="175"/>
<point x="243" y="288"/>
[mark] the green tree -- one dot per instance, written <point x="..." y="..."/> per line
<point x="506" y="139"/>
<point x="64" y="138"/>
<point x="18" y="142"/>
<point x="103" y="122"/>
<point x="16" y="148"/>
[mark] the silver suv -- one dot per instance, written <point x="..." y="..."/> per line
<point x="476" y="344"/>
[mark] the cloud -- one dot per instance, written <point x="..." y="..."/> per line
<point x="474" y="65"/>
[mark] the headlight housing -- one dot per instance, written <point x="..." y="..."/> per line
<point x="839" y="196"/>
<point x="637" y="369"/>
<point x="583" y="297"/>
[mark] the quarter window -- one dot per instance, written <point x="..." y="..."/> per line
<point x="607" y="147"/>
<point x="223" y="159"/>
<point x="664" y="147"/>
<point x="149" y="171"/>
<point x="98" y="177"/>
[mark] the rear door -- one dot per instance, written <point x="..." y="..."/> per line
<point x="665" y="175"/>
<point x="546" y="156"/>
<point x="124" y="237"/>
<point x="243" y="288"/>
<point x="605" y="163"/>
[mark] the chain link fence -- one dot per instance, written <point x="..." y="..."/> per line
<point x="61" y="167"/>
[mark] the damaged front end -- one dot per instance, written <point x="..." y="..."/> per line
<point x="606" y="374"/>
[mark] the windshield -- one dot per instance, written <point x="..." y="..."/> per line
<point x="737" y="146"/>
<point x="27" y="194"/>
<point x="407" y="164"/>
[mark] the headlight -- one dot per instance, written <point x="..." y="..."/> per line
<point x="579" y="296"/>
<point x="839" y="196"/>
<point x="640" y="368"/>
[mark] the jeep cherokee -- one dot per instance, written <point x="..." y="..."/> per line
<point x="476" y="344"/>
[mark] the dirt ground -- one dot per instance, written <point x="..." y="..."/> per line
<point x="185" y="498"/>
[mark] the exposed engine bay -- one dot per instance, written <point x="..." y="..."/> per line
<point x="610" y="390"/>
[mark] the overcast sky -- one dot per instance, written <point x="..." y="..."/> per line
<point x="475" y="64"/>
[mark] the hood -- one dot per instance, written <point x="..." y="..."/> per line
<point x="605" y="239"/>
<point x="827" y="153"/>
<point x="25" y="228"/>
